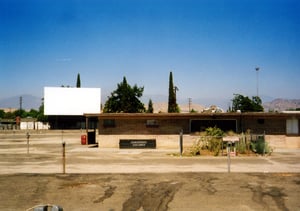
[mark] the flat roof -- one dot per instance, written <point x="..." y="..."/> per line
<point x="191" y="115"/>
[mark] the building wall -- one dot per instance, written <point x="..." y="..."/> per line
<point x="162" y="141"/>
<point x="267" y="123"/>
<point x="273" y="126"/>
<point x="145" y="126"/>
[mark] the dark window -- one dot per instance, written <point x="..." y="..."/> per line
<point x="261" y="121"/>
<point x="109" y="123"/>
<point x="151" y="123"/>
<point x="201" y="125"/>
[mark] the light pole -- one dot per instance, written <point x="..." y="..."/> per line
<point x="257" y="70"/>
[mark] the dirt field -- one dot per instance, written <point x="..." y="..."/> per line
<point x="114" y="179"/>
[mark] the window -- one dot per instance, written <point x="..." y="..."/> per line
<point x="261" y="121"/>
<point x="151" y="123"/>
<point x="109" y="123"/>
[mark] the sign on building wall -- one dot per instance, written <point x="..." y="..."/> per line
<point x="71" y="101"/>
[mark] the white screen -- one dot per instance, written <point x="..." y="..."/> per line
<point x="71" y="101"/>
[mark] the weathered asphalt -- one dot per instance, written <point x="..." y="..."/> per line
<point x="118" y="179"/>
<point x="44" y="154"/>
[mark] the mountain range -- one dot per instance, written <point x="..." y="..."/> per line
<point x="29" y="101"/>
<point x="282" y="104"/>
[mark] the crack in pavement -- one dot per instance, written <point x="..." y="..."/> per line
<point x="109" y="191"/>
<point x="155" y="196"/>
<point x="260" y="192"/>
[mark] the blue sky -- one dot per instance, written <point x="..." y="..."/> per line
<point x="211" y="46"/>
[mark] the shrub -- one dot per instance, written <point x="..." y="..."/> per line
<point x="195" y="149"/>
<point x="215" y="145"/>
<point x="214" y="131"/>
<point x="242" y="146"/>
<point x="211" y="141"/>
<point x="215" y="141"/>
<point x="261" y="147"/>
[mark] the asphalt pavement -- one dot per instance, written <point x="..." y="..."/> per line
<point x="44" y="153"/>
<point x="54" y="168"/>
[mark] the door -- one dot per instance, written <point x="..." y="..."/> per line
<point x="292" y="127"/>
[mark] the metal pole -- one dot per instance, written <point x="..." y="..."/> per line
<point x="264" y="140"/>
<point x="28" y="136"/>
<point x="64" y="157"/>
<point x="20" y="104"/>
<point x="228" y="157"/>
<point x="257" y="70"/>
<point x="87" y="129"/>
<point x="190" y="102"/>
<point x="181" y="142"/>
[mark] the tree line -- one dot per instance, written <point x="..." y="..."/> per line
<point x="33" y="113"/>
<point x="126" y="99"/>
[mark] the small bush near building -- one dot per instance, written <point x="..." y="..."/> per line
<point x="243" y="146"/>
<point x="261" y="147"/>
<point x="210" y="141"/>
<point x="195" y="149"/>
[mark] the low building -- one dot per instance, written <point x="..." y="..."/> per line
<point x="33" y="124"/>
<point x="8" y="124"/>
<point x="173" y="123"/>
<point x="148" y="125"/>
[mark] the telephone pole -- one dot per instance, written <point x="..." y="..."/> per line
<point x="21" y="103"/>
<point x="190" y="103"/>
<point x="257" y="70"/>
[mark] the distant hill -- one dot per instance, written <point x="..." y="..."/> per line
<point x="282" y="104"/>
<point x="28" y="102"/>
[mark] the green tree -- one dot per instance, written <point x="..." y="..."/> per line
<point x="257" y="104"/>
<point x="172" y="104"/>
<point x="2" y="113"/>
<point x="21" y="113"/>
<point x="9" y="115"/>
<point x="33" y="113"/>
<point x="41" y="117"/>
<point x="125" y="99"/>
<point x="78" y="83"/>
<point x="245" y="104"/>
<point x="150" y="107"/>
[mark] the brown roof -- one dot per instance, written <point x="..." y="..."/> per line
<point x="191" y="115"/>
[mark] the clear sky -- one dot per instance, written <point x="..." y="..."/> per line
<point x="211" y="46"/>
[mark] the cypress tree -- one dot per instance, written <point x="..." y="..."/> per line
<point x="150" y="107"/>
<point x="78" y="83"/>
<point x="172" y="105"/>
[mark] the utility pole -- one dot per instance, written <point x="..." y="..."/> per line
<point x="21" y="103"/>
<point x="190" y="103"/>
<point x="257" y="70"/>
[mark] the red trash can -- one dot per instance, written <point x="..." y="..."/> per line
<point x="83" y="139"/>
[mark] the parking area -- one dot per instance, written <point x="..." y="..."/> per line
<point x="92" y="178"/>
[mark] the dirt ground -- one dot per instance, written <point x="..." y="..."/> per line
<point x="114" y="179"/>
